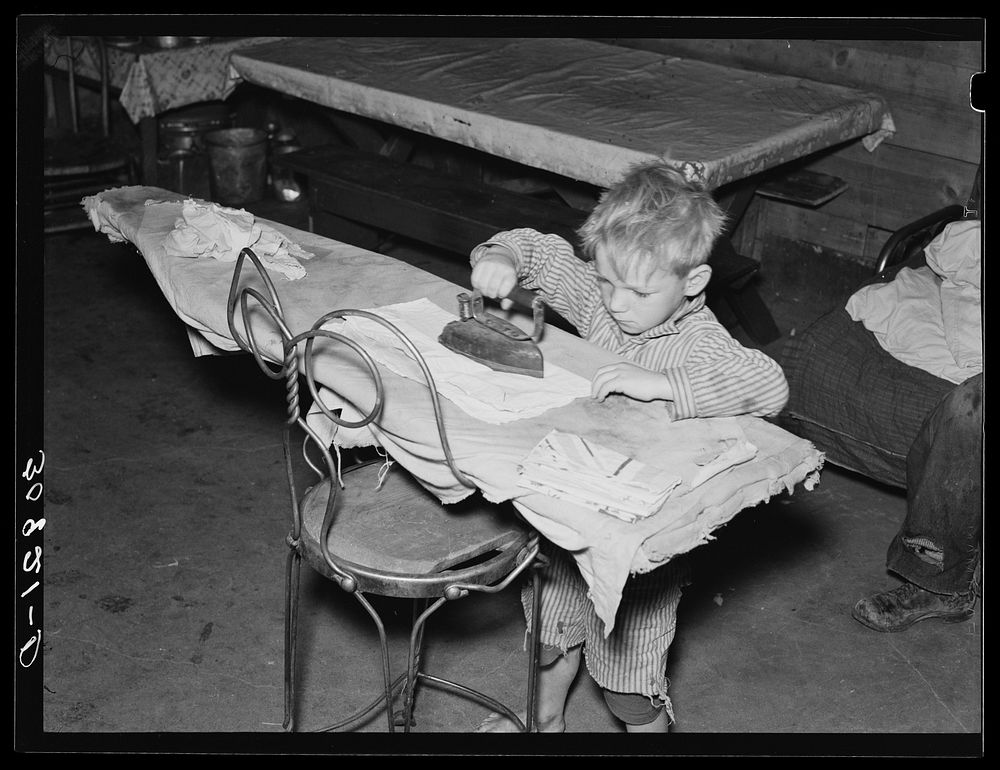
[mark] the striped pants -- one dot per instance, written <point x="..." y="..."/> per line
<point x="633" y="658"/>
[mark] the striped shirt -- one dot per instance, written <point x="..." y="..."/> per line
<point x="710" y="373"/>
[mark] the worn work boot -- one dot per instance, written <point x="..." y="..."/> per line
<point x="906" y="604"/>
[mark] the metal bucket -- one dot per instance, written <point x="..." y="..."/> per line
<point x="237" y="159"/>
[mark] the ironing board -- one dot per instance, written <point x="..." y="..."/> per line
<point x="606" y="548"/>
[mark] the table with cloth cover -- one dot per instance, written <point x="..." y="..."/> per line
<point x="579" y="108"/>
<point x="152" y="81"/>
<point x="489" y="451"/>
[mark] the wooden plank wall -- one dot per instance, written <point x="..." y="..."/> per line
<point x="929" y="163"/>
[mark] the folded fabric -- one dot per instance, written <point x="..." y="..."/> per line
<point x="105" y="216"/>
<point x="491" y="396"/>
<point x="931" y="317"/>
<point x="907" y="319"/>
<point x="956" y="256"/>
<point x="735" y="452"/>
<point x="571" y="468"/>
<point x="210" y="230"/>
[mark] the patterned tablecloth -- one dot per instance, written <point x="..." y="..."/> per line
<point x="150" y="80"/>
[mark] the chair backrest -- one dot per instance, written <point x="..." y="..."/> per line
<point x="909" y="241"/>
<point x="72" y="50"/>
<point x="297" y="358"/>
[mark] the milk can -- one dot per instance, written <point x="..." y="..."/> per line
<point x="288" y="186"/>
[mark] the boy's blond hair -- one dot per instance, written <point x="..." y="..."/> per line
<point x="653" y="219"/>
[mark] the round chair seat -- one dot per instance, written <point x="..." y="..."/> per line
<point x="71" y="154"/>
<point x="400" y="540"/>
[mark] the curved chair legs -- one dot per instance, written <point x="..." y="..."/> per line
<point x="404" y="716"/>
<point x="389" y="685"/>
<point x="293" y="565"/>
<point x="532" y="638"/>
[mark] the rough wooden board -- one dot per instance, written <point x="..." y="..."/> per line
<point x="807" y="188"/>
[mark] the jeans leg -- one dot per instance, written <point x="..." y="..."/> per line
<point x="938" y="545"/>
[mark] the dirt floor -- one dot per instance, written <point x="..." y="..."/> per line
<point x="164" y="554"/>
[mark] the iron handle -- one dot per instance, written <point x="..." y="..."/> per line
<point x="526" y="298"/>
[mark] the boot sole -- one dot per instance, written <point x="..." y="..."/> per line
<point x="958" y="617"/>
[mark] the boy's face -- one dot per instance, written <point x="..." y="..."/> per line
<point x="640" y="302"/>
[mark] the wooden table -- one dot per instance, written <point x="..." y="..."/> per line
<point x="151" y="81"/>
<point x="340" y="275"/>
<point x="581" y="109"/>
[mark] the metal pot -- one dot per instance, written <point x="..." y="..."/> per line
<point x="166" y="41"/>
<point x="183" y="138"/>
<point x="185" y="129"/>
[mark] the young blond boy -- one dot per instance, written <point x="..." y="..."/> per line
<point x="641" y="293"/>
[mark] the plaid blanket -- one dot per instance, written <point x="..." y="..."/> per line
<point x="853" y="400"/>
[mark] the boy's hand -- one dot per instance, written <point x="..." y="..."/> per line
<point x="495" y="274"/>
<point x="630" y="380"/>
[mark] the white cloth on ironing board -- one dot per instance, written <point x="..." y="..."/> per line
<point x="210" y="230"/>
<point x="489" y="395"/>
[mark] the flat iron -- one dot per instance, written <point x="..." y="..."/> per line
<point x="493" y="341"/>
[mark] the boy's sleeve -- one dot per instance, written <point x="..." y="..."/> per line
<point x="546" y="263"/>
<point x="721" y="378"/>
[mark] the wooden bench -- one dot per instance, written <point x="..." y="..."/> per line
<point x="347" y="188"/>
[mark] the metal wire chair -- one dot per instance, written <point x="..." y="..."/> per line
<point x="81" y="161"/>
<point x="470" y="547"/>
